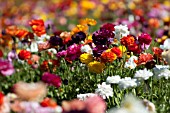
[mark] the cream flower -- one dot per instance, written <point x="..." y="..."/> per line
<point x="121" y="31"/>
<point x="127" y="82"/>
<point x="113" y="79"/>
<point x="143" y="74"/>
<point x="131" y="62"/>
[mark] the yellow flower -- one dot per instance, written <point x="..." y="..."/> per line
<point x="86" y="58"/>
<point x="90" y="22"/>
<point x="78" y="28"/>
<point x="87" y="4"/>
<point x="122" y="48"/>
<point x="96" y="67"/>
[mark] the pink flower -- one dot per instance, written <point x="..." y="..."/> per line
<point x="6" y="68"/>
<point x="144" y="40"/>
<point x="51" y="79"/>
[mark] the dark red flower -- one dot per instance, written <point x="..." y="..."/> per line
<point x="1" y="53"/>
<point x="134" y="48"/>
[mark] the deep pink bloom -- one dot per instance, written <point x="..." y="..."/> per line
<point x="62" y="53"/>
<point x="144" y="38"/>
<point x="6" y="68"/>
<point x="51" y="79"/>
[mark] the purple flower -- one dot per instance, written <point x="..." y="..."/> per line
<point x="12" y="55"/>
<point x="55" y="41"/>
<point x="97" y="51"/>
<point x="51" y="79"/>
<point x="6" y="68"/>
<point x="101" y="36"/>
<point x="62" y="53"/>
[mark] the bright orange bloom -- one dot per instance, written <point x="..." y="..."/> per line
<point x="108" y="56"/>
<point x="153" y="22"/>
<point x="48" y="102"/>
<point x="79" y="28"/>
<point x="38" y="27"/>
<point x="11" y="30"/>
<point x="127" y="40"/>
<point x="117" y="51"/>
<point x="24" y="55"/>
<point x="21" y="33"/>
<point x="144" y="58"/>
<point x="138" y="12"/>
<point x="88" y="21"/>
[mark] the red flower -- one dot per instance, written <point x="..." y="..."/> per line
<point x="21" y="33"/>
<point x="117" y="51"/>
<point x="48" y="102"/>
<point x="134" y="48"/>
<point x="1" y="98"/>
<point x="144" y="58"/>
<point x="24" y="55"/>
<point x="157" y="51"/>
<point x="38" y="27"/>
<point x="1" y="53"/>
<point x="127" y="40"/>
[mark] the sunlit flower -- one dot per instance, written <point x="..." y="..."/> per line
<point x="144" y="57"/>
<point x="127" y="82"/>
<point x="161" y="71"/>
<point x="108" y="57"/>
<point x="121" y="31"/>
<point x="86" y="49"/>
<point x="96" y="67"/>
<point x="131" y="63"/>
<point x="38" y="27"/>
<point x="90" y="22"/>
<point x="113" y="79"/>
<point x="30" y="91"/>
<point x="24" y="55"/>
<point x="86" y="58"/>
<point x="127" y="40"/>
<point x="143" y="74"/>
<point x="6" y="67"/>
<point x="117" y="51"/>
<point x="79" y="28"/>
<point x="104" y="90"/>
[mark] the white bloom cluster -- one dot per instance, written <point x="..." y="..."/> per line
<point x="166" y="44"/>
<point x="143" y="74"/>
<point x="104" y="90"/>
<point x="127" y="82"/>
<point x="121" y="31"/>
<point x="131" y="62"/>
<point x="42" y="38"/>
<point x="52" y="50"/>
<point x="161" y="71"/>
<point x="131" y="104"/>
<point x="85" y="96"/>
<point x="86" y="49"/>
<point x="33" y="47"/>
<point x="113" y="79"/>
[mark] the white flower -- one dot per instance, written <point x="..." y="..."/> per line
<point x="131" y="62"/>
<point x="130" y="105"/>
<point x="161" y="71"/>
<point x="166" y="44"/>
<point x="121" y="31"/>
<point x="149" y="106"/>
<point x="86" y="49"/>
<point x="42" y="38"/>
<point x="113" y="79"/>
<point x="127" y="82"/>
<point x="52" y="50"/>
<point x="33" y="47"/>
<point x="85" y="96"/>
<point x="143" y="74"/>
<point x="104" y="90"/>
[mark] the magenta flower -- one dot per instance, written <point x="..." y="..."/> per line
<point x="6" y="68"/>
<point x="12" y="55"/>
<point x="51" y="79"/>
<point x="144" y="40"/>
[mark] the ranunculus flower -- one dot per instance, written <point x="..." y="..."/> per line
<point x="48" y="102"/>
<point x="6" y="67"/>
<point x="144" y="40"/>
<point x="108" y="57"/>
<point x="86" y="58"/>
<point x="38" y="27"/>
<point x="144" y="58"/>
<point x="96" y="67"/>
<point x="117" y="51"/>
<point x="30" y="91"/>
<point x="127" y="40"/>
<point x="24" y="55"/>
<point x="51" y="79"/>
<point x="134" y="48"/>
<point x="97" y="51"/>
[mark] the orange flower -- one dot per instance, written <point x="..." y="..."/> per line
<point x="157" y="51"/>
<point x="117" y="51"/>
<point x="38" y="27"/>
<point x="88" y="21"/>
<point x="144" y="58"/>
<point x="21" y="33"/>
<point x="138" y="12"/>
<point x="24" y="55"/>
<point x="48" y="102"/>
<point x="46" y="64"/>
<point x="108" y="56"/>
<point x="153" y="22"/>
<point x="127" y="40"/>
<point x="11" y="30"/>
<point x="79" y="28"/>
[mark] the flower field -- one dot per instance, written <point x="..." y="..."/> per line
<point x="88" y="56"/>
